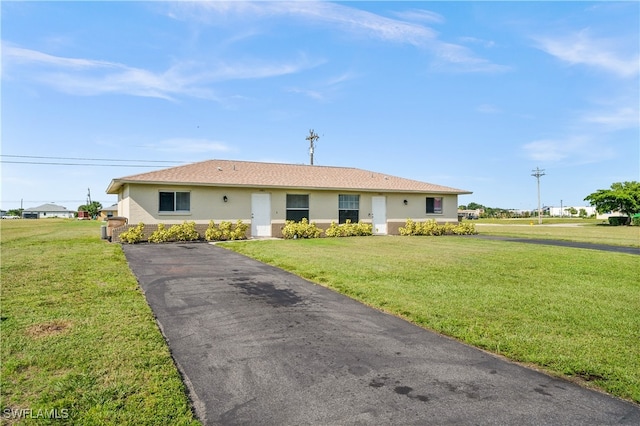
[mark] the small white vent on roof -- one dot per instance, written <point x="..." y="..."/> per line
<point x="219" y="169"/>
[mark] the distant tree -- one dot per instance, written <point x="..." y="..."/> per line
<point x="15" y="212"/>
<point x="582" y="213"/>
<point x="462" y="207"/>
<point x="622" y="196"/>
<point x="93" y="208"/>
<point x="474" y="206"/>
<point x="571" y="210"/>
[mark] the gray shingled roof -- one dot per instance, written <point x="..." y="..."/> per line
<point x="276" y="175"/>
<point x="48" y="208"/>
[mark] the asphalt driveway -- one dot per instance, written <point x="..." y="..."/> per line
<point x="260" y="346"/>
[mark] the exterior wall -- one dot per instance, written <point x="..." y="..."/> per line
<point x="49" y="215"/>
<point x="139" y="203"/>
<point x="561" y="211"/>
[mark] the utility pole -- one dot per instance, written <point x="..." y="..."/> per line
<point x="88" y="196"/>
<point x="537" y="173"/>
<point x="312" y="138"/>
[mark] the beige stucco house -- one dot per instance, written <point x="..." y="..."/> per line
<point x="265" y="195"/>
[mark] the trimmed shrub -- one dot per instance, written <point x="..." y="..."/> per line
<point x="349" y="229"/>
<point x="618" y="220"/>
<point x="226" y="231"/>
<point x="133" y="235"/>
<point x="184" y="232"/>
<point x="160" y="235"/>
<point x="303" y="229"/>
<point x="431" y="227"/>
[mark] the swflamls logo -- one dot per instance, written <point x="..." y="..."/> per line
<point x="29" y="413"/>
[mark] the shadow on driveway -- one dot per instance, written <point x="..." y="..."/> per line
<point x="257" y="345"/>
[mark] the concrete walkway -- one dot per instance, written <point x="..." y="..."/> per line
<point x="260" y="346"/>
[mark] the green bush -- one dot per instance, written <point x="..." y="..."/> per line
<point x="431" y="227"/>
<point x="226" y="231"/>
<point x="160" y="235"/>
<point x="465" y="228"/>
<point x="635" y="221"/>
<point x="349" y="229"/>
<point x="184" y="232"/>
<point x="618" y="220"/>
<point x="303" y="229"/>
<point x="133" y="235"/>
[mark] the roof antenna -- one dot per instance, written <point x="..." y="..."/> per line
<point x="312" y="138"/>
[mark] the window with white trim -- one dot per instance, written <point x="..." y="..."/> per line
<point x="348" y="208"/>
<point x="297" y="207"/>
<point x="170" y="201"/>
<point x="434" y="205"/>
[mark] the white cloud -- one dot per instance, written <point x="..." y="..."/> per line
<point x="189" y="146"/>
<point x="488" y="109"/>
<point x="477" y="41"/>
<point x="572" y="150"/>
<point x="581" y="48"/>
<point x="420" y="15"/>
<point x="350" y="20"/>
<point x="93" y="77"/>
<point x="615" y="118"/>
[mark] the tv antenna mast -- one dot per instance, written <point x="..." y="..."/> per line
<point x="312" y="138"/>
<point x="537" y="173"/>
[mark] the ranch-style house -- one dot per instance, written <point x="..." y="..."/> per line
<point x="265" y="195"/>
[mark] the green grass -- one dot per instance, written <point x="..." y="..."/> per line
<point x="572" y="312"/>
<point x="589" y="233"/>
<point x="77" y="334"/>
<point x="545" y="221"/>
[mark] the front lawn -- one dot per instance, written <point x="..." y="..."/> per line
<point x="572" y="312"/>
<point x="587" y="233"/>
<point x="79" y="343"/>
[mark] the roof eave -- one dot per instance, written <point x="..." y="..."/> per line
<point x="116" y="184"/>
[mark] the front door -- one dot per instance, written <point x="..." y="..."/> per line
<point x="260" y="215"/>
<point x="379" y="213"/>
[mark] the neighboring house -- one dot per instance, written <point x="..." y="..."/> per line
<point x="265" y="195"/>
<point x="470" y="214"/>
<point x="108" y="212"/>
<point x="564" y="211"/>
<point x="47" y="211"/>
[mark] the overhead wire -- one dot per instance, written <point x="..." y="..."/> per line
<point x="57" y="163"/>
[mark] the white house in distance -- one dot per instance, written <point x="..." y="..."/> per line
<point x="564" y="211"/>
<point x="48" y="211"/>
<point x="265" y="195"/>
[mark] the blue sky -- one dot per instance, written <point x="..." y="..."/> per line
<point x="473" y="95"/>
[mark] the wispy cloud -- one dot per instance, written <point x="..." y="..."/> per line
<point x="353" y="21"/>
<point x="189" y="146"/>
<point x="615" y="118"/>
<point x="325" y="89"/>
<point x="488" y="109"/>
<point x="582" y="48"/>
<point x="420" y="15"/>
<point x="571" y="150"/>
<point x="86" y="77"/>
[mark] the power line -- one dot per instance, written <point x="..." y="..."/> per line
<point x="88" y="159"/>
<point x="76" y="164"/>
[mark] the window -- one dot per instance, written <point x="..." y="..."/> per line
<point x="348" y="208"/>
<point x="297" y="207"/>
<point x="175" y="201"/>
<point x="434" y="205"/>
